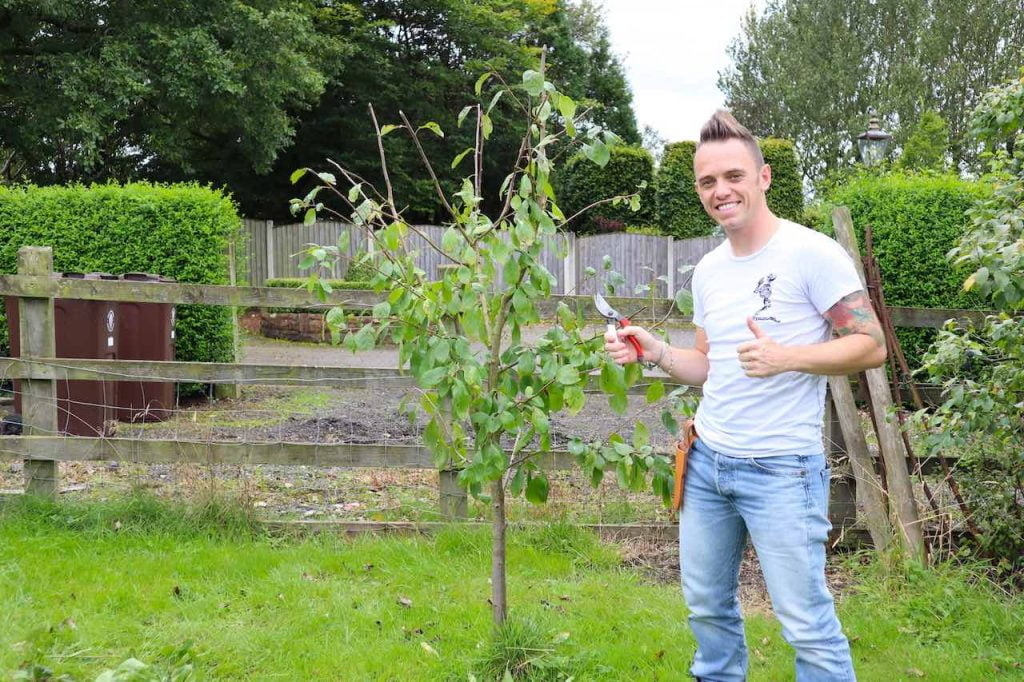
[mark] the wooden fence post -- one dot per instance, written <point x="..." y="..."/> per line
<point x="870" y="498"/>
<point x="230" y="391"/>
<point x="38" y="396"/>
<point x="271" y="273"/>
<point x="670" y="274"/>
<point x="901" y="492"/>
<point x="569" y="264"/>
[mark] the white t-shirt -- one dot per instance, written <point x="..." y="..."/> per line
<point x="786" y="287"/>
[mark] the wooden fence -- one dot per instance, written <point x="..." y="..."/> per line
<point x="270" y="251"/>
<point x="42" y="447"/>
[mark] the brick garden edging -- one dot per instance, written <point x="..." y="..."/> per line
<point x="307" y="327"/>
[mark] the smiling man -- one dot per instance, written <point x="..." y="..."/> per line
<point x="778" y="307"/>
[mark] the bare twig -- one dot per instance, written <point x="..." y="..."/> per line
<point x="383" y="159"/>
<point x="426" y="162"/>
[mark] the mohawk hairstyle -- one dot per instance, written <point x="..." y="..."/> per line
<point x="723" y="126"/>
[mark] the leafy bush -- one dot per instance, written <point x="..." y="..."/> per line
<point x="915" y="219"/>
<point x="303" y="283"/>
<point x="582" y="183"/>
<point x="649" y="230"/>
<point x="982" y="369"/>
<point x="786" y="195"/>
<point x="179" y="231"/>
<point x="679" y="211"/>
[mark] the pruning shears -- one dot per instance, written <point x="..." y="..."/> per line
<point x="615" y="321"/>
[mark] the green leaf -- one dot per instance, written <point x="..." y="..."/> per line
<point x="632" y="373"/>
<point x="451" y="241"/>
<point x="327" y="178"/>
<point x="515" y="488"/>
<point x="479" y="86"/>
<point x="381" y="310"/>
<point x="641" y="435"/>
<point x="494" y="100"/>
<point x="537" y="488"/>
<point x="567" y="107"/>
<point x="619" y="402"/>
<point x="462" y="114"/>
<point x="567" y="375"/>
<point x="533" y="82"/>
<point x="432" y="127"/>
<point x="460" y="156"/>
<point x="613" y="378"/>
<point x="432" y="377"/>
<point x="387" y="129"/>
<point x="297" y="174"/>
<point x="655" y="392"/>
<point x="310" y="217"/>
<point x="684" y="301"/>
<point x="669" y="421"/>
<point x="486" y="126"/>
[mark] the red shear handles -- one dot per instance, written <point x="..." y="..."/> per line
<point x="624" y="322"/>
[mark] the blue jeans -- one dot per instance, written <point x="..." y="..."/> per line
<point x="782" y="502"/>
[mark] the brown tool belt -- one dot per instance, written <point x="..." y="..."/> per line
<point x="683" y="447"/>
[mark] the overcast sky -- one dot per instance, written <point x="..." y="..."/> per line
<point x="672" y="51"/>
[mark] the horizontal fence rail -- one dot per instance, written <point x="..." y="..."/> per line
<point x="78" y="369"/>
<point x="280" y="453"/>
<point x="276" y="297"/>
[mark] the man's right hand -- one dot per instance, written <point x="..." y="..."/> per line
<point x="624" y="353"/>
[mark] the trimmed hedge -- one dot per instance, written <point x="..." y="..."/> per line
<point x="582" y="182"/>
<point x="179" y="231"/>
<point x="300" y="282"/>
<point x="679" y="211"/>
<point x="915" y="220"/>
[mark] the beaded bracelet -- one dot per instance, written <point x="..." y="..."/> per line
<point x="671" y="358"/>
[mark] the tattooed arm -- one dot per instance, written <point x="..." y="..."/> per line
<point x="860" y="344"/>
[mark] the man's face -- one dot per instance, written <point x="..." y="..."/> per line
<point x="730" y="185"/>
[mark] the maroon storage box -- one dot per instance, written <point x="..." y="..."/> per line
<point x="145" y="331"/>
<point x="83" y="329"/>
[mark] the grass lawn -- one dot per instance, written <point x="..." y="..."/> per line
<point x="84" y="586"/>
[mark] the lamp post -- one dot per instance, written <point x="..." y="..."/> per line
<point x="873" y="143"/>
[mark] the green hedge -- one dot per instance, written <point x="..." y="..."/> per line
<point x="179" y="231"/>
<point x="679" y="211"/>
<point x="915" y="221"/>
<point x="300" y="282"/>
<point x="581" y="182"/>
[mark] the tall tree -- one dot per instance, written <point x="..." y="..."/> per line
<point x="417" y="57"/>
<point x="809" y="70"/>
<point x="96" y="90"/>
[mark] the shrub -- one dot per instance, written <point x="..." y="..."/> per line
<point x="915" y="219"/>
<point x="649" y="230"/>
<point x="303" y="282"/>
<point x="786" y="195"/>
<point x="679" y="211"/>
<point x="581" y="183"/>
<point x="179" y="231"/>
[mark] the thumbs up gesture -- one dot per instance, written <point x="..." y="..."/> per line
<point x="762" y="357"/>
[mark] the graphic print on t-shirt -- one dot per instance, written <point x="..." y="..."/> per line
<point x="764" y="290"/>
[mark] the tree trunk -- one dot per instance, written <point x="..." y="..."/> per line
<point x="498" y="595"/>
